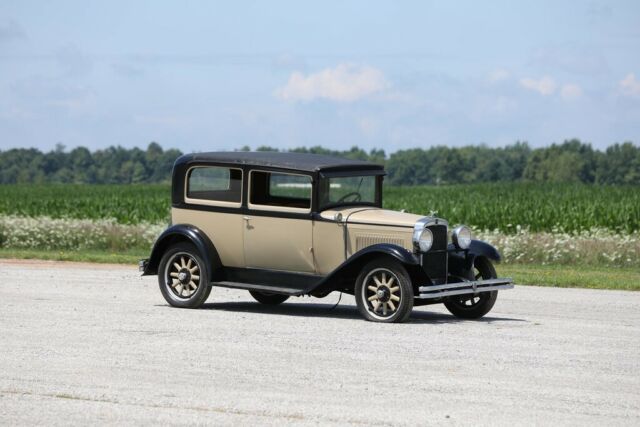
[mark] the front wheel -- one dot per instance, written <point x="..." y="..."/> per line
<point x="183" y="277"/>
<point x="383" y="292"/>
<point x="474" y="306"/>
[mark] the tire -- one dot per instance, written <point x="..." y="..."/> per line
<point x="384" y="292"/>
<point x="181" y="268"/>
<point x="475" y="306"/>
<point x="268" y="298"/>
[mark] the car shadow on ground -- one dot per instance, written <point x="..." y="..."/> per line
<point x="345" y="311"/>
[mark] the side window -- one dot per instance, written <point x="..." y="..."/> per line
<point x="213" y="183"/>
<point x="281" y="190"/>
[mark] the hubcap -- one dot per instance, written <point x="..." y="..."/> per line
<point x="183" y="275"/>
<point x="381" y="292"/>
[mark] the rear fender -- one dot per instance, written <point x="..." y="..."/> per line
<point x="184" y="233"/>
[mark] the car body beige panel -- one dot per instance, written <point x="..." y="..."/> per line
<point x="328" y="245"/>
<point x="328" y="241"/>
<point x="362" y="235"/>
<point x="385" y="217"/>
<point x="223" y="229"/>
<point x="366" y="226"/>
<point x="371" y="215"/>
<point x="278" y="243"/>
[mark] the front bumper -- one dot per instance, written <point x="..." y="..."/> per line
<point x="142" y="265"/>
<point x="464" y="288"/>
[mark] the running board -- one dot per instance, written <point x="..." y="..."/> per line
<point x="261" y="288"/>
<point x="464" y="288"/>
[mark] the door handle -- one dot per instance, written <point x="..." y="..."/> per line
<point x="246" y="220"/>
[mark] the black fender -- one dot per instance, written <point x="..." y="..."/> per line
<point x="480" y="248"/>
<point x="461" y="261"/>
<point x="184" y="233"/>
<point x="344" y="276"/>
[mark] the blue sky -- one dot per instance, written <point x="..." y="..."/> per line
<point x="393" y="75"/>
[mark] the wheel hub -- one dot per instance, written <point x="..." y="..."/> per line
<point x="184" y="276"/>
<point x="383" y="294"/>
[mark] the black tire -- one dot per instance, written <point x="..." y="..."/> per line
<point x="182" y="267"/>
<point x="384" y="292"/>
<point x="475" y="306"/>
<point x="268" y="298"/>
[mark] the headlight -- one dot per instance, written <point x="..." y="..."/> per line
<point x="425" y="240"/>
<point x="461" y="237"/>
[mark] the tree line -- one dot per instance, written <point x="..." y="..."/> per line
<point x="570" y="161"/>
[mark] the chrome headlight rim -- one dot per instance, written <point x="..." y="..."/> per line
<point x="425" y="240"/>
<point x="461" y="237"/>
<point x="422" y="238"/>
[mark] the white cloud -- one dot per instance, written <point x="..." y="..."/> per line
<point x="498" y="75"/>
<point x="544" y="86"/>
<point x="630" y="86"/>
<point x="571" y="91"/>
<point x="344" y="83"/>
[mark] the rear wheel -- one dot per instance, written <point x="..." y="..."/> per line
<point x="268" y="298"/>
<point x="383" y="292"/>
<point x="474" y="306"/>
<point x="183" y="277"/>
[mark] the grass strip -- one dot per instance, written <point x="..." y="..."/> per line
<point x="575" y="276"/>
<point x="128" y="257"/>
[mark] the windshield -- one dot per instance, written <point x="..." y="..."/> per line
<point x="359" y="190"/>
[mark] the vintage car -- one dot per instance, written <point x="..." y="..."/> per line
<point x="294" y="224"/>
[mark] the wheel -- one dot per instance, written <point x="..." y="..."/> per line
<point x="183" y="277"/>
<point x="475" y="306"/>
<point x="269" y="298"/>
<point x="384" y="292"/>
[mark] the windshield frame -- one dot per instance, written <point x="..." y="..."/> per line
<point x="378" y="191"/>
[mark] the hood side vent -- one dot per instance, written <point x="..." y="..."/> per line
<point x="364" y="240"/>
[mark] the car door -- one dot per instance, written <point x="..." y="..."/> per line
<point x="278" y="228"/>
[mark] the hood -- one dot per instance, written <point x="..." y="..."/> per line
<point x="373" y="216"/>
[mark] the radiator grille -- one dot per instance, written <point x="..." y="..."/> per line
<point x="434" y="262"/>
<point x="364" y="240"/>
<point x="439" y="237"/>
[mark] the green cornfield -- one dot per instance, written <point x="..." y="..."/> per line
<point x="127" y="204"/>
<point x="538" y="207"/>
<point x="503" y="207"/>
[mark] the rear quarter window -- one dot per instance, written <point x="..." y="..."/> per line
<point x="214" y="183"/>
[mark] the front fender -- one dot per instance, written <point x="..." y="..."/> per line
<point x="344" y="276"/>
<point x="480" y="248"/>
<point x="183" y="233"/>
<point x="461" y="261"/>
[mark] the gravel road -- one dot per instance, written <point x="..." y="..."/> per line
<point x="85" y="343"/>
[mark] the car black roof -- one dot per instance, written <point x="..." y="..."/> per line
<point x="293" y="161"/>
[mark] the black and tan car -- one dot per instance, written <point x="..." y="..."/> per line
<point x="291" y="224"/>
